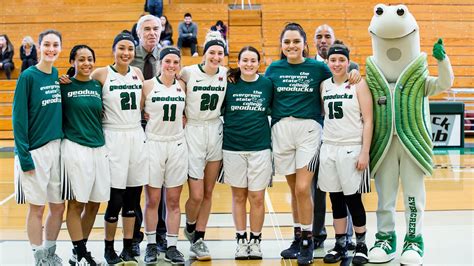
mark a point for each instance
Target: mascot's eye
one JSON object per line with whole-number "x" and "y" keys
{"x": 400, "y": 12}
{"x": 379, "y": 11}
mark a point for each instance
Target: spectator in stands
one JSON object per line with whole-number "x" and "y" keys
{"x": 147, "y": 60}
{"x": 155, "y": 7}
{"x": 134, "y": 31}
{"x": 324, "y": 37}
{"x": 166, "y": 36}
{"x": 28, "y": 53}
{"x": 187, "y": 35}
{"x": 222, "y": 28}
{"x": 6, "y": 55}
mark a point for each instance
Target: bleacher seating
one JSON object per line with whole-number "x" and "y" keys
{"x": 96, "y": 23}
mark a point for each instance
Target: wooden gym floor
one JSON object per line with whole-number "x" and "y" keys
{"x": 448, "y": 223}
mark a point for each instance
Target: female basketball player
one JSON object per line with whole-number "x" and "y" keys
{"x": 205, "y": 91}
{"x": 125, "y": 142}
{"x": 37, "y": 129}
{"x": 164, "y": 98}
{"x": 246, "y": 148}
{"x": 345, "y": 151}
{"x": 84, "y": 163}
{"x": 296, "y": 130}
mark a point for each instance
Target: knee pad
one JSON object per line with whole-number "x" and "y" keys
{"x": 354, "y": 203}
{"x": 114, "y": 205}
{"x": 339, "y": 209}
{"x": 132, "y": 196}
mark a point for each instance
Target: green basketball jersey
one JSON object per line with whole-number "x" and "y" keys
{"x": 37, "y": 117}
{"x": 82, "y": 112}
{"x": 296, "y": 89}
{"x": 246, "y": 109}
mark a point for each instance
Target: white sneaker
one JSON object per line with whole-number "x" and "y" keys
{"x": 88, "y": 260}
{"x": 242, "y": 251}
{"x": 200, "y": 251}
{"x": 53, "y": 258}
{"x": 255, "y": 252}
{"x": 41, "y": 257}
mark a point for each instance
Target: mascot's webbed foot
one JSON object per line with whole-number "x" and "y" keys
{"x": 384, "y": 248}
{"x": 413, "y": 249}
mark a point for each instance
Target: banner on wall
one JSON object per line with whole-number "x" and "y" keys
{"x": 446, "y": 130}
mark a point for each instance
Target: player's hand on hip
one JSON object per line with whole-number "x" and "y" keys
{"x": 363, "y": 161}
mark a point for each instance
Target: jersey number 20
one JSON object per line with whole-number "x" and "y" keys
{"x": 209, "y": 101}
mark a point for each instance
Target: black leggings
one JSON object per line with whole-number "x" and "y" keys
{"x": 122, "y": 199}
{"x": 354, "y": 204}
{"x": 8, "y": 68}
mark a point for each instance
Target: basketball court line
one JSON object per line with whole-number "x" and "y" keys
{"x": 7, "y": 199}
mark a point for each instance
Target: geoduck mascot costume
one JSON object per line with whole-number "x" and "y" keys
{"x": 401, "y": 149}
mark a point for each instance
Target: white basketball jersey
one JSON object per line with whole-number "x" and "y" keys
{"x": 121, "y": 97}
{"x": 165, "y": 105}
{"x": 342, "y": 115}
{"x": 205, "y": 93}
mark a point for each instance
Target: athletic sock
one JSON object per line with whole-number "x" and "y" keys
{"x": 49, "y": 243}
{"x": 306, "y": 231}
{"x": 127, "y": 243}
{"x": 172, "y": 240}
{"x": 151, "y": 237}
{"x": 341, "y": 239}
{"x": 109, "y": 243}
{"x": 360, "y": 237}
{"x": 80, "y": 248}
{"x": 190, "y": 226}
{"x": 198, "y": 235}
{"x": 35, "y": 247}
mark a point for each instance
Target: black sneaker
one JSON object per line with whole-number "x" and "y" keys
{"x": 293, "y": 251}
{"x": 136, "y": 244}
{"x": 174, "y": 256}
{"x": 305, "y": 256}
{"x": 336, "y": 254}
{"x": 151, "y": 254}
{"x": 127, "y": 256}
{"x": 87, "y": 260}
{"x": 161, "y": 242}
{"x": 318, "y": 243}
{"x": 360, "y": 255}
{"x": 111, "y": 257}
{"x": 73, "y": 259}
{"x": 350, "y": 245}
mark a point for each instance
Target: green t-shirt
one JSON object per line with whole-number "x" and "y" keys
{"x": 296, "y": 89}
{"x": 246, "y": 109}
{"x": 82, "y": 112}
{"x": 37, "y": 114}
